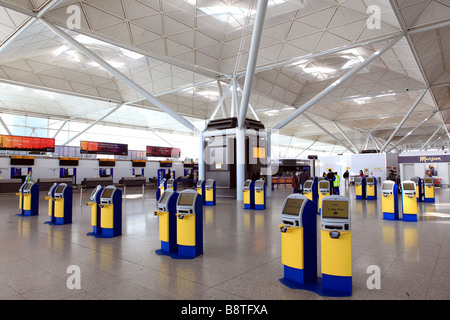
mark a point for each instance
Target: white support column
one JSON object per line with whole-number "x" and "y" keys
{"x": 410, "y": 111}
{"x": 269, "y": 163}
{"x": 223, "y": 105}
{"x": 346, "y": 137}
{"x": 251, "y": 64}
{"x": 336, "y": 84}
{"x": 118, "y": 74}
{"x": 5, "y": 126}
{"x": 431, "y": 138}
{"x": 201, "y": 157}
{"x": 240, "y": 163}
{"x": 60, "y": 128}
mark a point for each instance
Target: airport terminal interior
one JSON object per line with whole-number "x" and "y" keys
{"x": 224, "y": 150}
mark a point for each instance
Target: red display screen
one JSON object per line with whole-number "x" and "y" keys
{"x": 163, "y": 152}
{"x": 26, "y": 143}
{"x": 91, "y": 147}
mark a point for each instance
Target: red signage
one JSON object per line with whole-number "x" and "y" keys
{"x": 27, "y": 143}
{"x": 163, "y": 152}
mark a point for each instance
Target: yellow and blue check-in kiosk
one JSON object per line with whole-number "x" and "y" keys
{"x": 324, "y": 191}
{"x": 299, "y": 240}
{"x": 161, "y": 188}
{"x": 419, "y": 188}
{"x": 360, "y": 188}
{"x": 260, "y": 194}
{"x": 428, "y": 189}
{"x": 336, "y": 246}
{"x": 189, "y": 224}
{"x": 172, "y": 184}
{"x": 310, "y": 190}
{"x": 30, "y": 199}
{"x": 94, "y": 203}
{"x": 62, "y": 196}
{"x": 210, "y": 192}
{"x": 20, "y": 195}
{"x": 51, "y": 198}
{"x": 389, "y": 200}
{"x": 109, "y": 219}
{"x": 371, "y": 188}
{"x": 201, "y": 189}
{"x": 249, "y": 194}
{"x": 409, "y": 201}
{"x": 167, "y": 210}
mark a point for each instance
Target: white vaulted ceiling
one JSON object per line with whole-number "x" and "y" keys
{"x": 177, "y": 50}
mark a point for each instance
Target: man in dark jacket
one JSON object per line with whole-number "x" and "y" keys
{"x": 304, "y": 176}
{"x": 295, "y": 183}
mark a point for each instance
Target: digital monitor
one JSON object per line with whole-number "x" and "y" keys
{"x": 28, "y": 187}
{"x": 387, "y": 185}
{"x": 428, "y": 180}
{"x": 60, "y": 188}
{"x": 259, "y": 184}
{"x": 107, "y": 193}
{"x": 308, "y": 184}
{"x": 209, "y": 183}
{"x": 335, "y": 210}
{"x": 247, "y": 183}
{"x": 324, "y": 185}
{"x": 170, "y": 181}
{"x": 94, "y": 192}
{"x": 409, "y": 186}
{"x": 199, "y": 183}
{"x": 186, "y": 199}
{"x": 369, "y": 180}
{"x": 293, "y": 206}
{"x": 164, "y": 198}
{"x": 358, "y": 180}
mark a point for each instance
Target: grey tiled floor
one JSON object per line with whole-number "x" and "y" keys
{"x": 241, "y": 260}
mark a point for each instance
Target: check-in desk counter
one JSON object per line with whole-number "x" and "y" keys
{"x": 10, "y": 185}
{"x": 46, "y": 184}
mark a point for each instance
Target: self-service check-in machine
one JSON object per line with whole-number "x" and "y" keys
{"x": 167, "y": 209}
{"x": 299, "y": 239}
{"x": 172, "y": 184}
{"x": 428, "y": 189}
{"x": 260, "y": 194}
{"x": 409, "y": 201}
{"x": 324, "y": 191}
{"x": 189, "y": 224}
{"x": 389, "y": 200}
{"x": 310, "y": 190}
{"x": 94, "y": 203}
{"x": 201, "y": 189}
{"x": 51, "y": 198}
{"x": 249, "y": 194}
{"x": 161, "y": 188}
{"x": 336, "y": 245}
{"x": 419, "y": 188}
{"x": 210, "y": 192}
{"x": 371, "y": 188}
{"x": 109, "y": 220}
{"x": 20, "y": 195}
{"x": 360, "y": 188}
{"x": 62, "y": 196}
{"x": 30, "y": 199}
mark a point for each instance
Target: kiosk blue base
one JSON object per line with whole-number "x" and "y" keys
{"x": 390, "y": 216}
{"x": 410, "y": 217}
{"x": 315, "y": 287}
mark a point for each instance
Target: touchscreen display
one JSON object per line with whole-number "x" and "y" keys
{"x": 335, "y": 210}
{"x": 186, "y": 199}
{"x": 292, "y": 206}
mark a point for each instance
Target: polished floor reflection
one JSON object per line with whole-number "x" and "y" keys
{"x": 241, "y": 260}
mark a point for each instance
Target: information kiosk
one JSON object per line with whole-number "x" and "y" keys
{"x": 94, "y": 203}
{"x": 62, "y": 209}
{"x": 110, "y": 221}
{"x": 324, "y": 191}
{"x": 360, "y": 188}
{"x": 201, "y": 189}
{"x": 371, "y": 188}
{"x": 299, "y": 239}
{"x": 172, "y": 184}
{"x": 419, "y": 188}
{"x": 260, "y": 194}
{"x": 409, "y": 201}
{"x": 161, "y": 188}
{"x": 310, "y": 190}
{"x": 51, "y": 198}
{"x": 389, "y": 201}
{"x": 428, "y": 188}
{"x": 167, "y": 210}
{"x": 189, "y": 224}
{"x": 30, "y": 204}
{"x": 210, "y": 192}
{"x": 336, "y": 245}
{"x": 249, "y": 194}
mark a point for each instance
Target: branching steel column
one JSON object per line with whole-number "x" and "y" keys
{"x": 119, "y": 75}
{"x": 410, "y": 111}
{"x": 345, "y": 136}
{"x": 431, "y": 138}
{"x": 5, "y": 126}
{"x": 251, "y": 64}
{"x": 335, "y": 84}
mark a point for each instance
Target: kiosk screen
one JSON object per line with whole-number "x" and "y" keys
{"x": 247, "y": 183}
{"x": 387, "y": 185}
{"x": 107, "y": 193}
{"x": 186, "y": 199}
{"x": 95, "y": 192}
{"x": 369, "y": 180}
{"x": 324, "y": 185}
{"x": 164, "y": 197}
{"x": 416, "y": 180}
{"x": 28, "y": 187}
{"x": 170, "y": 182}
{"x": 358, "y": 180}
{"x": 409, "y": 186}
{"x": 335, "y": 210}
{"x": 292, "y": 206}
{"x": 259, "y": 184}
{"x": 60, "y": 189}
{"x": 199, "y": 183}
{"x": 428, "y": 180}
{"x": 209, "y": 183}
{"x": 308, "y": 184}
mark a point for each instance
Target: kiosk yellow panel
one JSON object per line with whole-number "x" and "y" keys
{"x": 259, "y": 197}
{"x": 59, "y": 208}
{"x": 358, "y": 190}
{"x": 50, "y": 205}
{"x": 199, "y": 191}
{"x": 209, "y": 195}
{"x": 20, "y": 200}
{"x": 107, "y": 216}
{"x": 429, "y": 192}
{"x": 370, "y": 191}
{"x": 93, "y": 206}
{"x": 186, "y": 230}
{"x": 336, "y": 254}
{"x": 246, "y": 196}
{"x": 27, "y": 202}
{"x": 409, "y": 205}
{"x": 388, "y": 203}
{"x": 292, "y": 248}
{"x": 309, "y": 195}
{"x": 163, "y": 226}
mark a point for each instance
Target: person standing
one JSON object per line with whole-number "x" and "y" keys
{"x": 29, "y": 177}
{"x": 361, "y": 174}
{"x": 330, "y": 177}
{"x": 304, "y": 176}
{"x": 295, "y": 182}
{"x": 346, "y": 177}
{"x": 336, "y": 183}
